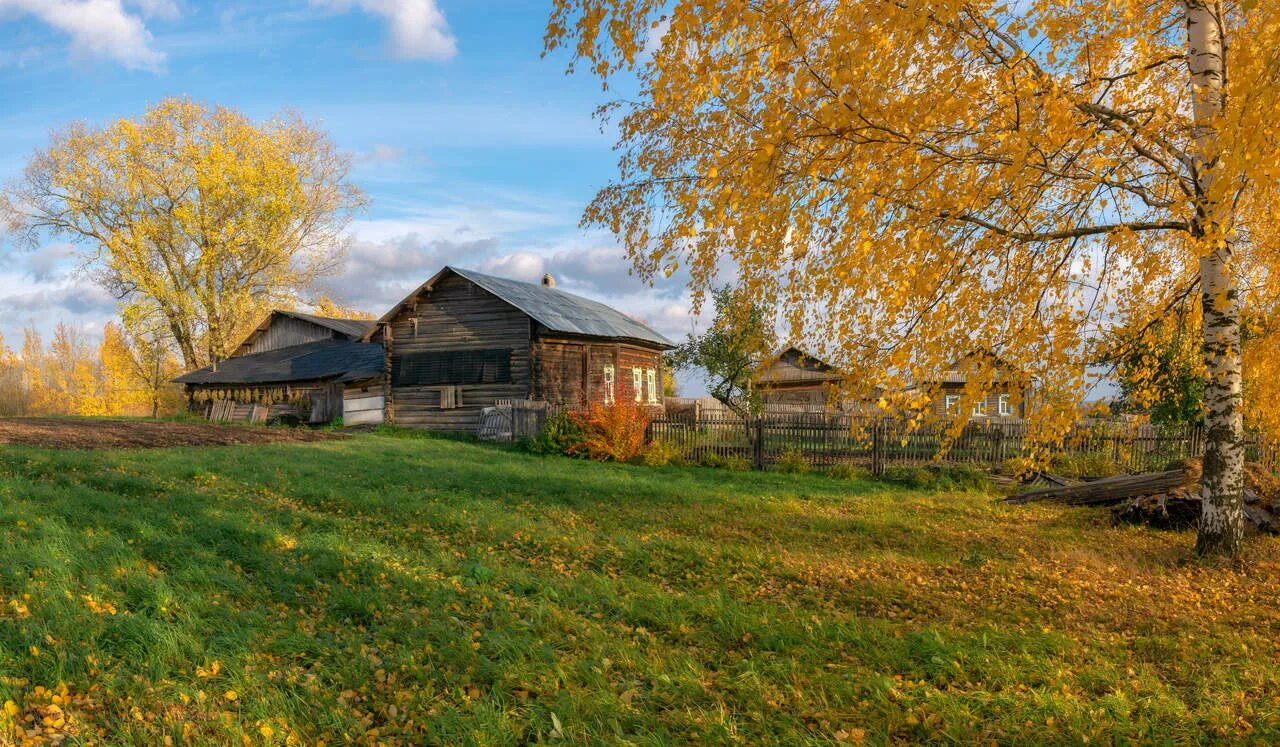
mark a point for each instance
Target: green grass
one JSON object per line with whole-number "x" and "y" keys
{"x": 391, "y": 589}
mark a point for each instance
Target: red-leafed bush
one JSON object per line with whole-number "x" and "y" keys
{"x": 613, "y": 432}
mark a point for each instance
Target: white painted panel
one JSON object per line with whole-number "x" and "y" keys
{"x": 363, "y": 417}
{"x": 357, "y": 404}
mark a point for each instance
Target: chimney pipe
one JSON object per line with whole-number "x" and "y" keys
{"x": 548, "y": 280}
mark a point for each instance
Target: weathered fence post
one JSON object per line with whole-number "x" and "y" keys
{"x": 997, "y": 446}
{"x": 757, "y": 444}
{"x": 877, "y": 450}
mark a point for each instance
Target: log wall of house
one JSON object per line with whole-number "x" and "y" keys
{"x": 455, "y": 315}
{"x": 568, "y": 371}
{"x": 285, "y": 332}
{"x": 992, "y": 402}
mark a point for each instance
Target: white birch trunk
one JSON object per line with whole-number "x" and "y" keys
{"x": 1222, "y": 515}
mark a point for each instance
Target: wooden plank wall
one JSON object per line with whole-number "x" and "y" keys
{"x": 567, "y": 371}
{"x": 285, "y": 332}
{"x": 457, "y": 315}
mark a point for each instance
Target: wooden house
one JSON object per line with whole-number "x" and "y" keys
{"x": 796, "y": 379}
{"x": 464, "y": 341}
{"x": 1006, "y": 399}
{"x": 296, "y": 365}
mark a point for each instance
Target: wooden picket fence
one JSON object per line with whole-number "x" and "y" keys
{"x": 827, "y": 440}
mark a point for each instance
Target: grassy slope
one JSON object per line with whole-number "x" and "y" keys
{"x": 440, "y": 591}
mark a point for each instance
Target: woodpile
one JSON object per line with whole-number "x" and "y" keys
{"x": 1107, "y": 490}
{"x": 1166, "y": 500}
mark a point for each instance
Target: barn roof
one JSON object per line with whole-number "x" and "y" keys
{"x": 554, "y": 309}
{"x": 351, "y": 329}
{"x": 345, "y": 360}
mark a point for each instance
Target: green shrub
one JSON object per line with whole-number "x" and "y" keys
{"x": 732, "y": 462}
{"x": 561, "y": 434}
{"x": 938, "y": 477}
{"x": 1090, "y": 464}
{"x": 792, "y": 462}
{"x": 848, "y": 472}
{"x": 663, "y": 453}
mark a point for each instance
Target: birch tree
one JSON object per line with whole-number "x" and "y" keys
{"x": 197, "y": 212}
{"x": 909, "y": 180}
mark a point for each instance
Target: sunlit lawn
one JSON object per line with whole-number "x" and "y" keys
{"x": 415, "y": 590}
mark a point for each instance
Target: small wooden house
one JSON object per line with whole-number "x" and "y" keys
{"x": 796, "y": 379}
{"x": 464, "y": 341}
{"x": 296, "y": 365}
{"x": 1006, "y": 399}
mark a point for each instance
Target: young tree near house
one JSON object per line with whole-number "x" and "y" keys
{"x": 1161, "y": 370}
{"x": 138, "y": 365}
{"x": 910, "y": 178}
{"x": 730, "y": 351}
{"x": 209, "y": 217}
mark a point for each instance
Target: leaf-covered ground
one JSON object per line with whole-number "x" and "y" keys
{"x": 389, "y": 589}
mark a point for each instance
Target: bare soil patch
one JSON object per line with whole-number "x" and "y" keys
{"x": 87, "y": 433}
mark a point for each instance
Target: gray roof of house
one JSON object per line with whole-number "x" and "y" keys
{"x": 564, "y": 312}
{"x": 344, "y": 360}
{"x": 352, "y": 328}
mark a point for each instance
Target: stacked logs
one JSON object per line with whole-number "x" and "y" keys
{"x": 1167, "y": 500}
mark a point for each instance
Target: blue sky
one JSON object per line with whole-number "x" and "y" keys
{"x": 473, "y": 149}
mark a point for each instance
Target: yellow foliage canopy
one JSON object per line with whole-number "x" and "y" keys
{"x": 908, "y": 181}
{"x": 203, "y": 217}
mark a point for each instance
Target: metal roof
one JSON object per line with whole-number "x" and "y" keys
{"x": 564, "y": 312}
{"x": 324, "y": 359}
{"x": 554, "y": 309}
{"x": 351, "y": 328}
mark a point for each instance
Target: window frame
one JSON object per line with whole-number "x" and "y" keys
{"x": 1004, "y": 406}
{"x": 610, "y": 378}
{"x": 637, "y": 383}
{"x": 951, "y": 403}
{"x": 651, "y": 381}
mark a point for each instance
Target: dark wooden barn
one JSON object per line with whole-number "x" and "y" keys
{"x": 294, "y": 365}
{"x": 465, "y": 341}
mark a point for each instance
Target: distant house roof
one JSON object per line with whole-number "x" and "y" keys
{"x": 342, "y": 360}
{"x": 792, "y": 365}
{"x": 351, "y": 329}
{"x": 554, "y": 309}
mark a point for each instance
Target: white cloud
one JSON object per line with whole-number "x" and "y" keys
{"x": 381, "y": 154}
{"x": 418, "y": 27}
{"x": 100, "y": 28}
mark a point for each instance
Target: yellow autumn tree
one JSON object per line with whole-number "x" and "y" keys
{"x": 326, "y": 306}
{"x": 138, "y": 368}
{"x": 13, "y": 394}
{"x": 908, "y": 181}
{"x": 65, "y": 378}
{"x": 206, "y": 216}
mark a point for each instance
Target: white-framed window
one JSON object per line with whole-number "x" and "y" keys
{"x": 637, "y": 383}
{"x": 1005, "y": 407}
{"x": 608, "y": 384}
{"x": 952, "y": 403}
{"x": 651, "y": 380}
{"x": 980, "y": 408}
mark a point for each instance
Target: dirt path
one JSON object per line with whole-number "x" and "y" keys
{"x": 88, "y": 433}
